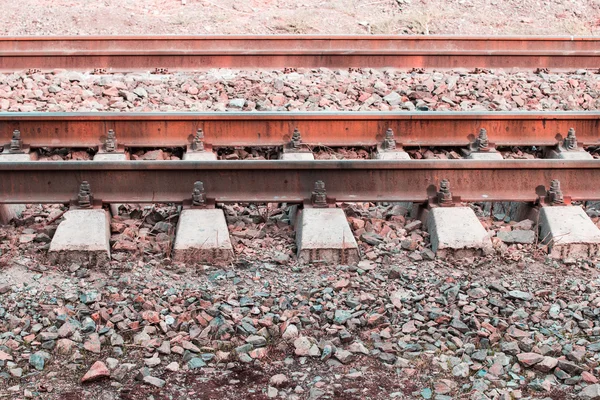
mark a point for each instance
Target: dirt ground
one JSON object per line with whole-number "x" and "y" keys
{"x": 426, "y": 17}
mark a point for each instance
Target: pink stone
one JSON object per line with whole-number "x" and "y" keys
{"x": 409, "y": 327}
{"x": 111, "y": 92}
{"x": 529, "y": 359}
{"x": 93, "y": 343}
{"x": 589, "y": 378}
{"x": 342, "y": 283}
{"x": 5, "y": 356}
{"x": 64, "y": 346}
{"x": 151, "y": 316}
{"x": 97, "y": 371}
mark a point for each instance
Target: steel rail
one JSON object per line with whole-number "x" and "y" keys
{"x": 316, "y": 128}
{"x": 130, "y": 53}
{"x": 293, "y": 181}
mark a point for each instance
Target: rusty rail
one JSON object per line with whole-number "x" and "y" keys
{"x": 320, "y": 128}
{"x": 293, "y": 181}
{"x": 130, "y": 53}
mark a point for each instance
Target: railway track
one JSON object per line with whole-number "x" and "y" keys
{"x": 317, "y": 128}
{"x": 185, "y": 53}
{"x": 293, "y": 181}
{"x": 564, "y": 174}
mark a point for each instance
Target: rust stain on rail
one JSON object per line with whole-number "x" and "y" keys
{"x": 279, "y": 181}
{"x": 275, "y": 129}
{"x": 123, "y": 53}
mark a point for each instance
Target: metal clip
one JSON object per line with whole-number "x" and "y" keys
{"x": 318, "y": 196}
{"x": 482, "y": 143}
{"x": 110, "y": 144}
{"x": 84, "y": 197}
{"x": 570, "y": 142}
{"x": 198, "y": 194}
{"x": 555, "y": 194}
{"x": 389, "y": 141}
{"x": 198, "y": 141}
{"x": 444, "y": 195}
{"x": 296, "y": 142}
{"x": 16, "y": 144}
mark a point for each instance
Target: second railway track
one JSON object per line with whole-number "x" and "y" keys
{"x": 185, "y": 53}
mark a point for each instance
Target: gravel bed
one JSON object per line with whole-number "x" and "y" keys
{"x": 508, "y": 325}
{"x": 303, "y": 90}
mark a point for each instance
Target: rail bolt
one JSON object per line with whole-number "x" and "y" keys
{"x": 84, "y": 197}
{"x": 444, "y": 194}
{"x": 110, "y": 145}
{"x": 482, "y": 141}
{"x": 296, "y": 141}
{"x": 570, "y": 142}
{"x": 198, "y": 194}
{"x": 389, "y": 142}
{"x": 555, "y": 194}
{"x": 16, "y": 144}
{"x": 319, "y": 195}
{"x": 198, "y": 141}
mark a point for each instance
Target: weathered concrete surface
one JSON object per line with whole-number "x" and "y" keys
{"x": 570, "y": 155}
{"x": 199, "y": 156}
{"x": 392, "y": 155}
{"x": 203, "y": 237}
{"x": 8, "y": 212}
{"x": 456, "y": 231}
{"x": 7, "y": 157}
{"x": 303, "y": 156}
{"x": 110, "y": 157}
{"x": 491, "y": 155}
{"x": 569, "y": 232}
{"x": 82, "y": 237}
{"x": 323, "y": 235}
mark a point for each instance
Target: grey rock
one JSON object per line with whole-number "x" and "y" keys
{"x": 344, "y": 356}
{"x": 195, "y": 363}
{"x": 74, "y": 76}
{"x": 237, "y": 103}
{"x": 302, "y": 345}
{"x": 461, "y": 370}
{"x": 517, "y": 236}
{"x": 154, "y": 381}
{"x": 459, "y": 325}
{"x": 591, "y": 392}
{"x": 140, "y": 91}
{"x": 547, "y": 364}
{"x": 518, "y": 294}
{"x": 393, "y": 98}
{"x": 569, "y": 367}
{"x": 37, "y": 361}
{"x": 256, "y": 340}
{"x": 341, "y": 316}
{"x": 89, "y": 297}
